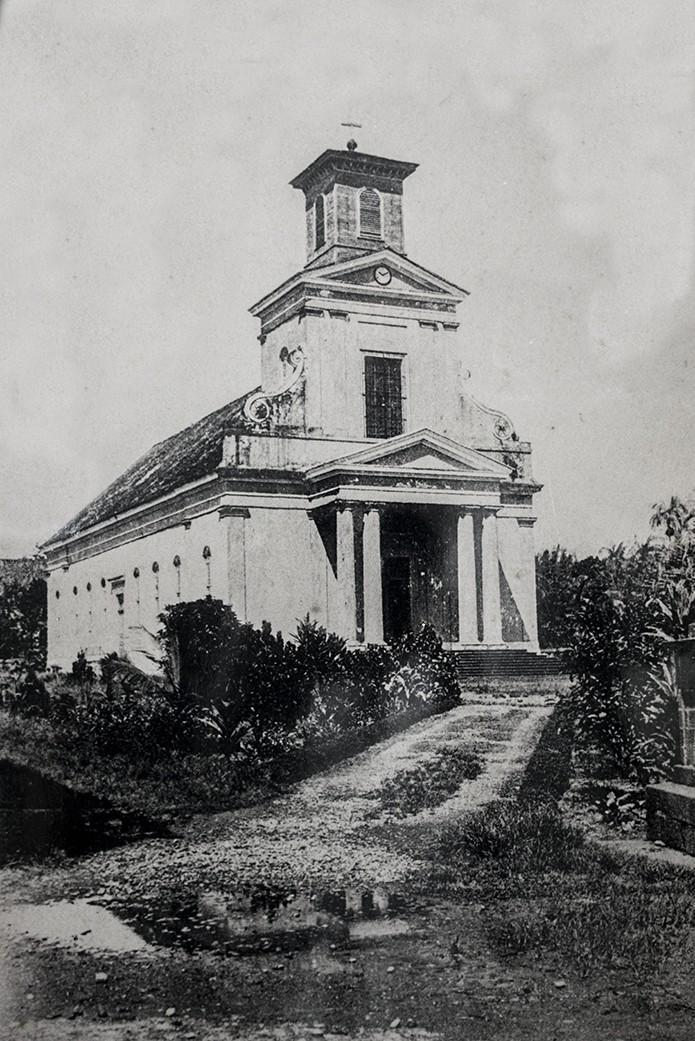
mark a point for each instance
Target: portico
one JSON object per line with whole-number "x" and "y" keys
{"x": 417, "y": 541}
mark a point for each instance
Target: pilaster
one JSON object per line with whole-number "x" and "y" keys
{"x": 371, "y": 562}
{"x": 346, "y": 606}
{"x": 467, "y": 594}
{"x": 492, "y": 614}
{"x": 235, "y": 519}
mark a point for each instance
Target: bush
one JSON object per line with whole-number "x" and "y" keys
{"x": 356, "y": 688}
{"x": 227, "y": 688}
{"x": 557, "y": 573}
{"x": 31, "y": 698}
{"x": 425, "y": 671}
{"x": 82, "y": 671}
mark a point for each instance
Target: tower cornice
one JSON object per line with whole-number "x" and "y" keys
{"x": 350, "y": 168}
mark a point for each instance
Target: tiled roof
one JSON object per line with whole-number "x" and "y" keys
{"x": 187, "y": 456}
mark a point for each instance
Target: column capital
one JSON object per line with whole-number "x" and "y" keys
{"x": 233, "y": 511}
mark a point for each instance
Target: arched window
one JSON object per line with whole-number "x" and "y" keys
{"x": 370, "y": 213}
{"x": 206, "y": 557}
{"x": 155, "y": 570}
{"x": 320, "y": 218}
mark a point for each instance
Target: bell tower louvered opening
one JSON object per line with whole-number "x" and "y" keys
{"x": 320, "y": 222}
{"x": 370, "y": 214}
{"x": 354, "y": 205}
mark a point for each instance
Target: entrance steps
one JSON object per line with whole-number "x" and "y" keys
{"x": 505, "y": 662}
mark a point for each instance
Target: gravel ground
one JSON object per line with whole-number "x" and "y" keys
{"x": 327, "y": 831}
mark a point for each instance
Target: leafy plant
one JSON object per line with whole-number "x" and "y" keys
{"x": 81, "y": 671}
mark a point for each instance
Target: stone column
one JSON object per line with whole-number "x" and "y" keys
{"x": 345, "y": 560}
{"x": 467, "y": 592}
{"x": 235, "y": 519}
{"x": 528, "y": 570}
{"x": 371, "y": 558}
{"x": 492, "y": 615}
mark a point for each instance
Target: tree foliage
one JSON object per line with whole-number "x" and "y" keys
{"x": 621, "y": 713}
{"x": 23, "y": 620}
{"x": 616, "y": 613}
{"x": 556, "y": 587}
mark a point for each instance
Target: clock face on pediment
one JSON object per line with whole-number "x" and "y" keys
{"x": 391, "y": 271}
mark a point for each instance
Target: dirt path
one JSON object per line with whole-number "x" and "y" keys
{"x": 326, "y": 833}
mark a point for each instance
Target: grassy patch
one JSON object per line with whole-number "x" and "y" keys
{"x": 151, "y": 786}
{"x": 430, "y": 784}
{"x": 623, "y": 920}
{"x": 547, "y": 890}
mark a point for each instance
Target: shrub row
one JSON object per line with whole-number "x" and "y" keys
{"x": 226, "y": 687}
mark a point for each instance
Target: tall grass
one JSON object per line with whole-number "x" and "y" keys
{"x": 549, "y": 891}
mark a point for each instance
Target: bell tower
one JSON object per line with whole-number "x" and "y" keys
{"x": 360, "y": 344}
{"x": 353, "y": 205}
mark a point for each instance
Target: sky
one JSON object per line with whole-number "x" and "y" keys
{"x": 145, "y": 152}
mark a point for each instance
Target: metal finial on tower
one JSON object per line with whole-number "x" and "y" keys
{"x": 352, "y": 144}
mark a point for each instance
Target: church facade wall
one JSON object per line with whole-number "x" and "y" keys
{"x": 335, "y": 344}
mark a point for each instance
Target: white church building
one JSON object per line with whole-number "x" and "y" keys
{"x": 360, "y": 484}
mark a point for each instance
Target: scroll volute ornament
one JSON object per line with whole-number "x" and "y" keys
{"x": 258, "y": 408}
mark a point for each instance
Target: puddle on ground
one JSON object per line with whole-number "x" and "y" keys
{"x": 256, "y": 921}
{"x": 72, "y": 923}
{"x": 266, "y": 919}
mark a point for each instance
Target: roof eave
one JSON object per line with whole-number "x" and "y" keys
{"x": 396, "y": 167}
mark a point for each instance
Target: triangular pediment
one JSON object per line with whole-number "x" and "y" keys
{"x": 422, "y": 451}
{"x": 396, "y": 272}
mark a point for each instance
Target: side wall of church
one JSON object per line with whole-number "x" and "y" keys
{"x": 289, "y": 574}
{"x": 517, "y": 560}
{"x": 85, "y": 611}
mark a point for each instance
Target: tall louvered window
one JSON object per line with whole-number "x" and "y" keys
{"x": 383, "y": 392}
{"x": 370, "y": 213}
{"x": 320, "y": 217}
